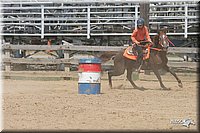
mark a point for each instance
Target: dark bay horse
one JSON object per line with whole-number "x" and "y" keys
{"x": 157, "y": 60}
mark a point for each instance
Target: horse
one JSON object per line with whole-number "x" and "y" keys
{"x": 157, "y": 60}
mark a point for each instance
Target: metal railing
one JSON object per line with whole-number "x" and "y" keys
{"x": 64, "y": 19}
{"x": 181, "y": 19}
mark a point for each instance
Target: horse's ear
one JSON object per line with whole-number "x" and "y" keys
{"x": 155, "y": 38}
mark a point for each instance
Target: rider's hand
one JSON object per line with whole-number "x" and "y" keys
{"x": 151, "y": 42}
{"x": 138, "y": 43}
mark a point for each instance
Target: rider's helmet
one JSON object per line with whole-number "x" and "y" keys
{"x": 140, "y": 21}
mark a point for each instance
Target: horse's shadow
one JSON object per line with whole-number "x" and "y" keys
{"x": 122, "y": 87}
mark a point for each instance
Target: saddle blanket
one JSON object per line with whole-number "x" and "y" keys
{"x": 133, "y": 55}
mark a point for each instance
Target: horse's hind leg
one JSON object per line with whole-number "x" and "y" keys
{"x": 159, "y": 78}
{"x": 115, "y": 72}
{"x": 129, "y": 72}
{"x": 119, "y": 67}
{"x": 174, "y": 74}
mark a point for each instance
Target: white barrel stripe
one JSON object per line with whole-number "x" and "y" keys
{"x": 89, "y": 77}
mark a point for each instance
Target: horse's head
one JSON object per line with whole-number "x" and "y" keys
{"x": 161, "y": 41}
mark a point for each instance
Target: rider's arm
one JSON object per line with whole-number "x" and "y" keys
{"x": 133, "y": 37}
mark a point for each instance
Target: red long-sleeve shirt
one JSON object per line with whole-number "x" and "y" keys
{"x": 140, "y": 34}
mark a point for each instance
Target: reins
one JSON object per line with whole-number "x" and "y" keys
{"x": 170, "y": 41}
{"x": 157, "y": 49}
{"x": 160, "y": 49}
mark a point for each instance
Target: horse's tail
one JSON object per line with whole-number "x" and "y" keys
{"x": 106, "y": 56}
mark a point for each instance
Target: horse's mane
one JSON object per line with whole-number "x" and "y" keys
{"x": 156, "y": 40}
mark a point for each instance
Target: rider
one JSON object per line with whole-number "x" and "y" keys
{"x": 140, "y": 33}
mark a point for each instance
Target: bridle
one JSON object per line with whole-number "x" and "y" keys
{"x": 163, "y": 39}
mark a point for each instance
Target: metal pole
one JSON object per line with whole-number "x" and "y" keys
{"x": 88, "y": 22}
{"x": 42, "y": 21}
{"x": 136, "y": 15}
{"x": 66, "y": 56}
{"x": 7, "y": 56}
{"x": 186, "y": 20}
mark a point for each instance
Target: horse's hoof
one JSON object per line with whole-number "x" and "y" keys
{"x": 165, "y": 88}
{"x": 111, "y": 87}
{"x": 140, "y": 88}
{"x": 180, "y": 85}
{"x": 136, "y": 87}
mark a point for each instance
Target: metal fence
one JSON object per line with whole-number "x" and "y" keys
{"x": 94, "y": 19}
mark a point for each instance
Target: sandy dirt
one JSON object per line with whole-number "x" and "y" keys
{"x": 29, "y": 104}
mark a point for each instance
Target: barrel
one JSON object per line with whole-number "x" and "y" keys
{"x": 89, "y": 76}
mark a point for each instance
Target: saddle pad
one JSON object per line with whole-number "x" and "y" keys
{"x": 134, "y": 57}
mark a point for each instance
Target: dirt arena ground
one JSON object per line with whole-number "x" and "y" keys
{"x": 30, "y": 104}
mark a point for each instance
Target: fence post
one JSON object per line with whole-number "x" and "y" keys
{"x": 7, "y": 56}
{"x": 136, "y": 15}
{"x": 88, "y": 22}
{"x": 66, "y": 56}
{"x": 186, "y": 20}
{"x": 144, "y": 12}
{"x": 42, "y": 21}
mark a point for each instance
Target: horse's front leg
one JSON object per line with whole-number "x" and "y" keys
{"x": 174, "y": 74}
{"x": 159, "y": 78}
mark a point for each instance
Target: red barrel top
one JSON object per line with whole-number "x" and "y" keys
{"x": 89, "y": 67}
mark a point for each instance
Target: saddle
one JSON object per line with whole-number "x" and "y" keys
{"x": 130, "y": 54}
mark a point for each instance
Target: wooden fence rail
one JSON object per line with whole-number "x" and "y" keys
{"x": 88, "y": 48}
{"x": 8, "y": 60}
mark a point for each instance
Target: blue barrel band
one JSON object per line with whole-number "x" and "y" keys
{"x": 88, "y": 88}
{"x": 90, "y": 60}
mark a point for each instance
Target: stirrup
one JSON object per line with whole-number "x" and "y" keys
{"x": 130, "y": 52}
{"x": 139, "y": 68}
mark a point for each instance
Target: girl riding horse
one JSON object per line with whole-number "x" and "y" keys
{"x": 157, "y": 60}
